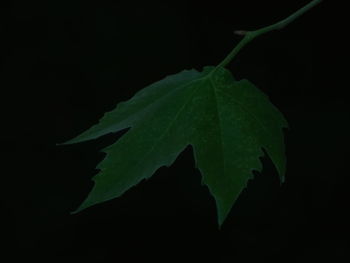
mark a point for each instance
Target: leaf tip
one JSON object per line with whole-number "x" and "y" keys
{"x": 220, "y": 223}
{"x": 71, "y": 141}
{"x": 282, "y": 179}
{"x": 86, "y": 204}
{"x": 222, "y": 212}
{"x": 78, "y": 210}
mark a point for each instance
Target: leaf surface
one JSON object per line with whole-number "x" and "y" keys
{"x": 227, "y": 122}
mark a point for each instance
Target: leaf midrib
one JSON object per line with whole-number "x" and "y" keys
{"x": 160, "y": 99}
{"x": 161, "y": 137}
{"x": 219, "y": 124}
{"x": 247, "y": 111}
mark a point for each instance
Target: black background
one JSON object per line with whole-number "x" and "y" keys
{"x": 66, "y": 63}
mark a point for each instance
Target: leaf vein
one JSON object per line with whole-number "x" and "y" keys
{"x": 219, "y": 125}
{"x": 247, "y": 111}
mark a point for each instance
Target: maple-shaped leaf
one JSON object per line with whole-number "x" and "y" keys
{"x": 227, "y": 122}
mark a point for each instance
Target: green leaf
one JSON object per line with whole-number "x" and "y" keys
{"x": 227, "y": 122}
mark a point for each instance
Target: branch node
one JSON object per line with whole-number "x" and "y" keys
{"x": 241, "y": 32}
